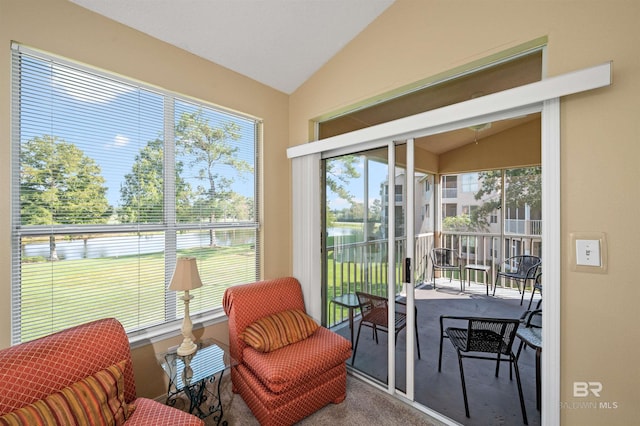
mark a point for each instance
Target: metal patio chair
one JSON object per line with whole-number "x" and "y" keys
{"x": 374, "y": 311}
{"x": 537, "y": 285}
{"x": 446, "y": 260}
{"x": 483, "y": 338}
{"x": 521, "y": 268}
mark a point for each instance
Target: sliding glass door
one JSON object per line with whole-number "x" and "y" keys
{"x": 355, "y": 253}
{"x": 367, "y": 216}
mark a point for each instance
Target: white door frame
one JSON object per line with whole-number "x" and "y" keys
{"x": 542, "y": 96}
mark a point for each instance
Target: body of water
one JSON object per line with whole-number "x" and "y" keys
{"x": 93, "y": 248}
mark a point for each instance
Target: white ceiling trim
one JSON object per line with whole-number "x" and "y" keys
{"x": 513, "y": 102}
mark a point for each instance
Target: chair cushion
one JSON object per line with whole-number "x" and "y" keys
{"x": 97, "y": 400}
{"x": 150, "y": 412}
{"x": 278, "y": 330}
{"x": 297, "y": 363}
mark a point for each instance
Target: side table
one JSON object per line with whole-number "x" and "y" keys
{"x": 349, "y": 301}
{"x": 192, "y": 373}
{"x": 481, "y": 268}
{"x": 532, "y": 337}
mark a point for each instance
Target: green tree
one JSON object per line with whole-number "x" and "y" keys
{"x": 142, "y": 193}
{"x": 60, "y": 185}
{"x": 523, "y": 187}
{"x": 236, "y": 207}
{"x": 462, "y": 223}
{"x": 208, "y": 149}
{"x": 375, "y": 211}
{"x": 330, "y": 218}
{"x": 338, "y": 174}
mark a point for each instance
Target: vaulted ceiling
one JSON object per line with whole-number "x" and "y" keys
{"x": 280, "y": 43}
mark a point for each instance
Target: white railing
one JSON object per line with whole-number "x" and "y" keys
{"x": 523, "y": 226}
{"x": 491, "y": 249}
{"x": 363, "y": 266}
{"x": 449, "y": 192}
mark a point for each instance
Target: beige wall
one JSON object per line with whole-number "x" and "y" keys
{"x": 65, "y": 29}
{"x": 516, "y": 147}
{"x": 413, "y": 40}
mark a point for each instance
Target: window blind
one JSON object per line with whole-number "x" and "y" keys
{"x": 112, "y": 181}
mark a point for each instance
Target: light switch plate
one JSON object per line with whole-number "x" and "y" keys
{"x": 588, "y": 252}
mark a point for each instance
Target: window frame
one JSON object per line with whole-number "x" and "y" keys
{"x": 169, "y": 226}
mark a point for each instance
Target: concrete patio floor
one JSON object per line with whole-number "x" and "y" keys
{"x": 492, "y": 401}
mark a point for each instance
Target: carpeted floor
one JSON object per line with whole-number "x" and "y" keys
{"x": 364, "y": 405}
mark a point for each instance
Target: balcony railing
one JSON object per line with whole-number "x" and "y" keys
{"x": 449, "y": 192}
{"x": 523, "y": 226}
{"x": 363, "y": 266}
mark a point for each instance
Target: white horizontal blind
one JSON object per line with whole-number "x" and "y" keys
{"x": 112, "y": 181}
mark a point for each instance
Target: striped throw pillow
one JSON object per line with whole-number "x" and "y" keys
{"x": 278, "y": 330}
{"x": 96, "y": 400}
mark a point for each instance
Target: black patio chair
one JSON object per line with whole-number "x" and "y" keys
{"x": 374, "y": 311}
{"x": 483, "y": 338}
{"x": 520, "y": 268}
{"x": 537, "y": 285}
{"x": 446, "y": 260}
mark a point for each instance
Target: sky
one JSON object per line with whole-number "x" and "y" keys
{"x": 110, "y": 121}
{"x": 356, "y": 186}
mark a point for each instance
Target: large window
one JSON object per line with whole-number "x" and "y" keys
{"x": 112, "y": 181}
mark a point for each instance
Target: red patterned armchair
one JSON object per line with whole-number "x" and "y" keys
{"x": 288, "y": 366}
{"x": 82, "y": 375}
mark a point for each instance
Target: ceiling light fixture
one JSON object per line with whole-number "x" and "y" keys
{"x": 479, "y": 127}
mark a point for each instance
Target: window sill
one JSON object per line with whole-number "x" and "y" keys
{"x": 159, "y": 333}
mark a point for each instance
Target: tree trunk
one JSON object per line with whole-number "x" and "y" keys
{"x": 53, "y": 255}
{"x": 212, "y": 233}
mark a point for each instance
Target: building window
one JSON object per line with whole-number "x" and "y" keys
{"x": 449, "y": 210}
{"x": 470, "y": 182}
{"x": 114, "y": 180}
{"x": 469, "y": 209}
{"x": 399, "y": 189}
{"x": 428, "y": 185}
{"x": 450, "y": 186}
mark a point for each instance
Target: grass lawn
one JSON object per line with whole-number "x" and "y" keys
{"x": 57, "y": 295}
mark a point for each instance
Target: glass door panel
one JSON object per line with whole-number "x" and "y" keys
{"x": 365, "y": 220}
{"x": 355, "y": 252}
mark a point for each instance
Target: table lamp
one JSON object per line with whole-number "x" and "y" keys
{"x": 185, "y": 278}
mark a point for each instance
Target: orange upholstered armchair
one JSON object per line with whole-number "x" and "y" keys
{"x": 288, "y": 366}
{"x": 83, "y": 373}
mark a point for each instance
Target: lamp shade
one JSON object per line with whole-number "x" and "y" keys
{"x": 185, "y": 276}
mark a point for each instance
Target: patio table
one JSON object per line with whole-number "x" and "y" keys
{"x": 478, "y": 267}
{"x": 532, "y": 337}
{"x": 349, "y": 301}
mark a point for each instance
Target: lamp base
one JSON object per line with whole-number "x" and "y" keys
{"x": 187, "y": 348}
